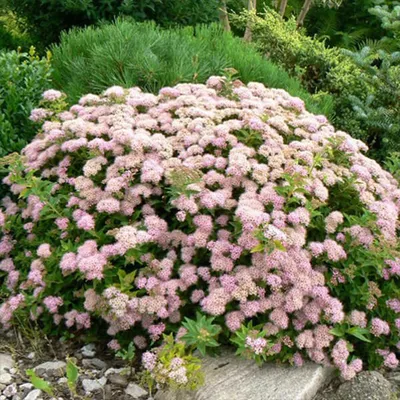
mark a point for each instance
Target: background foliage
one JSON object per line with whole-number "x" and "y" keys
{"x": 364, "y": 84}
{"x": 23, "y": 78}
{"x": 47, "y": 18}
{"x": 141, "y": 54}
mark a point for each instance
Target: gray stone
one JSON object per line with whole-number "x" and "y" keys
{"x": 94, "y": 363}
{"x": 26, "y": 386}
{"x": 10, "y": 390}
{"x": 135, "y": 391}
{"x": 16, "y": 397}
{"x": 51, "y": 368}
{"x": 62, "y": 380}
{"x": 92, "y": 385}
{"x": 2, "y": 387}
{"x": 6, "y": 363}
{"x": 5, "y": 378}
{"x": 31, "y": 356}
{"x": 118, "y": 379}
{"x": 89, "y": 350}
{"x": 113, "y": 371}
{"x": 229, "y": 377}
{"x": 33, "y": 395}
{"x": 368, "y": 385}
{"x": 117, "y": 376}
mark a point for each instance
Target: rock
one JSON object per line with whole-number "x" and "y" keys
{"x": 117, "y": 376}
{"x": 368, "y": 385}
{"x": 394, "y": 378}
{"x": 118, "y": 379}
{"x": 17, "y": 397}
{"x": 33, "y": 395}
{"x": 31, "y": 356}
{"x": 94, "y": 363}
{"x": 229, "y": 377}
{"x": 62, "y": 380}
{"x": 89, "y": 350}
{"x": 113, "y": 371}
{"x": 5, "y": 378}
{"x": 92, "y": 385}
{"x": 26, "y": 386}
{"x": 6, "y": 363}
{"x": 10, "y": 390}
{"x": 51, "y": 368}
{"x": 135, "y": 391}
{"x": 2, "y": 387}
{"x": 108, "y": 392}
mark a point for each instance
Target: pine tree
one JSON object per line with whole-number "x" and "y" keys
{"x": 380, "y": 63}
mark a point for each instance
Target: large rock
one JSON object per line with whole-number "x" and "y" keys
{"x": 6, "y": 364}
{"x": 232, "y": 378}
{"x": 51, "y": 368}
{"x": 366, "y": 386}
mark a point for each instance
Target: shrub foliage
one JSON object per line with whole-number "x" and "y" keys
{"x": 47, "y": 18}
{"x": 140, "y": 54}
{"x": 132, "y": 210}
{"x": 23, "y": 78}
{"x": 364, "y": 86}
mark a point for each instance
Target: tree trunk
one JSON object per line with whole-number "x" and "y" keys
{"x": 282, "y": 8}
{"x": 304, "y": 11}
{"x": 223, "y": 16}
{"x": 252, "y": 5}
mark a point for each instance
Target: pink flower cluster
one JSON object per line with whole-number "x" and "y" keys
{"x": 178, "y": 186}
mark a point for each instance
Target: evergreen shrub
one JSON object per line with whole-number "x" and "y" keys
{"x": 141, "y": 54}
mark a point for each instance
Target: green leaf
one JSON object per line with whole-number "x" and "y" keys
{"x": 278, "y": 244}
{"x": 39, "y": 383}
{"x": 338, "y": 331}
{"x": 359, "y": 333}
{"x": 72, "y": 373}
{"x": 257, "y": 249}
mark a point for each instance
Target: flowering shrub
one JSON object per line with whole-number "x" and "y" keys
{"x": 131, "y": 211}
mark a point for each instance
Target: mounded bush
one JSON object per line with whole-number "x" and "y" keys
{"x": 131, "y": 211}
{"x": 131, "y": 54}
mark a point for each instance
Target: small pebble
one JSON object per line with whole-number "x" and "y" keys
{"x": 94, "y": 363}
{"x": 89, "y": 350}
{"x": 135, "y": 391}
{"x": 10, "y": 390}
{"x": 26, "y": 386}
{"x": 92, "y": 385}
{"x": 33, "y": 395}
